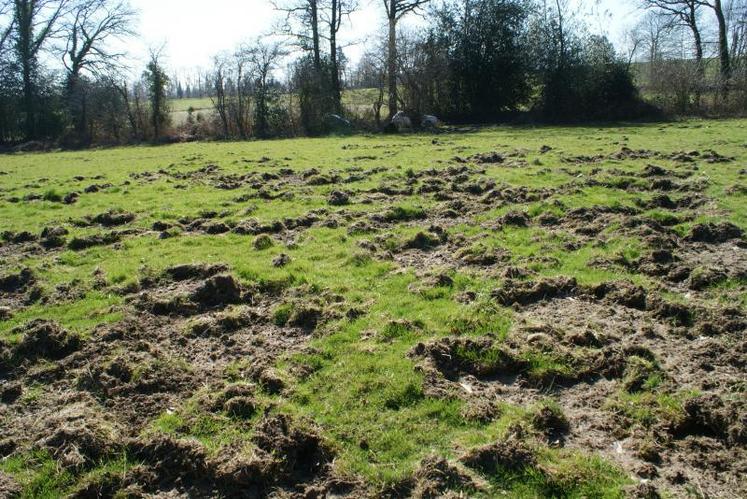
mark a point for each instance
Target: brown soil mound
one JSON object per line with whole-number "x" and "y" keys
{"x": 47, "y": 340}
{"x": 510, "y": 454}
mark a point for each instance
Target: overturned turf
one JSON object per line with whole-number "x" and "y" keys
{"x": 491, "y": 312}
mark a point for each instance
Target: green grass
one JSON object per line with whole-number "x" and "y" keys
{"x": 363, "y": 387}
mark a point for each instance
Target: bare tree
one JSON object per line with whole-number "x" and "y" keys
{"x": 263, "y": 60}
{"x": 395, "y": 11}
{"x": 302, "y": 24}
{"x": 232, "y": 99}
{"x": 652, "y": 33}
{"x": 333, "y": 13}
{"x": 737, "y": 21}
{"x": 723, "y": 37}
{"x": 134, "y": 107}
{"x": 685, "y": 13}
{"x": 34, "y": 23}
{"x": 92, "y": 24}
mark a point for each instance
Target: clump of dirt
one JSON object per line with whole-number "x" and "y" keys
{"x": 79, "y": 243}
{"x": 718, "y": 232}
{"x": 514, "y": 219}
{"x": 654, "y": 171}
{"x": 172, "y": 460}
{"x": 190, "y": 293}
{"x": 223, "y": 323}
{"x": 222, "y": 289}
{"x": 436, "y": 476}
{"x": 551, "y": 422}
{"x": 46, "y": 340}
{"x": 488, "y": 158}
{"x": 643, "y": 490}
{"x": 53, "y": 237}
{"x": 481, "y": 255}
{"x": 527, "y": 292}
{"x": 18, "y": 237}
{"x": 6, "y": 313}
{"x": 709, "y": 415}
{"x": 16, "y": 283}
{"x": 704, "y": 277}
{"x": 638, "y": 370}
{"x": 305, "y": 317}
{"x": 339, "y": 198}
{"x": 281, "y": 260}
{"x": 96, "y": 188}
{"x": 481, "y": 357}
{"x": 6, "y": 357}
{"x": 77, "y": 436}
{"x": 263, "y": 242}
{"x": 422, "y": 241}
{"x": 269, "y": 379}
{"x": 622, "y": 293}
{"x": 9, "y": 487}
{"x": 113, "y": 218}
{"x": 215, "y": 227}
{"x": 297, "y": 455}
{"x": 511, "y": 454}
{"x": 194, "y": 271}
{"x": 480, "y": 410}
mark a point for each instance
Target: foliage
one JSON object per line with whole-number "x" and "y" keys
{"x": 474, "y": 60}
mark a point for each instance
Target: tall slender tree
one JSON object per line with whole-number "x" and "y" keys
{"x": 334, "y": 11}
{"x": 723, "y": 37}
{"x": 302, "y": 23}
{"x": 395, "y": 11}
{"x": 685, "y": 13}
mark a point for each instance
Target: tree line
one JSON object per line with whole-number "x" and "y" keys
{"x": 695, "y": 53}
{"x": 63, "y": 81}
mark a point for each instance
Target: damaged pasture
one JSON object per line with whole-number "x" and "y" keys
{"x": 501, "y": 311}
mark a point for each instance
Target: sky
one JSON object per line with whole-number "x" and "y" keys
{"x": 192, "y": 32}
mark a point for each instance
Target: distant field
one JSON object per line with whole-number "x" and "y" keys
{"x": 358, "y": 101}
{"x": 494, "y": 312}
{"x": 180, "y": 108}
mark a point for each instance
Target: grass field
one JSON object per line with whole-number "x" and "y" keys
{"x": 506, "y": 311}
{"x": 357, "y": 102}
{"x": 180, "y": 108}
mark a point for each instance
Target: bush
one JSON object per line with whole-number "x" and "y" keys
{"x": 594, "y": 85}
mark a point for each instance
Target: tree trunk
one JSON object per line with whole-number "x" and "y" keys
{"x": 723, "y": 43}
{"x": 334, "y": 69}
{"x": 25, "y": 30}
{"x": 561, "y": 35}
{"x": 392, "y": 64}
{"x": 315, "y": 35}
{"x": 130, "y": 115}
{"x": 76, "y": 99}
{"x": 28, "y": 100}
